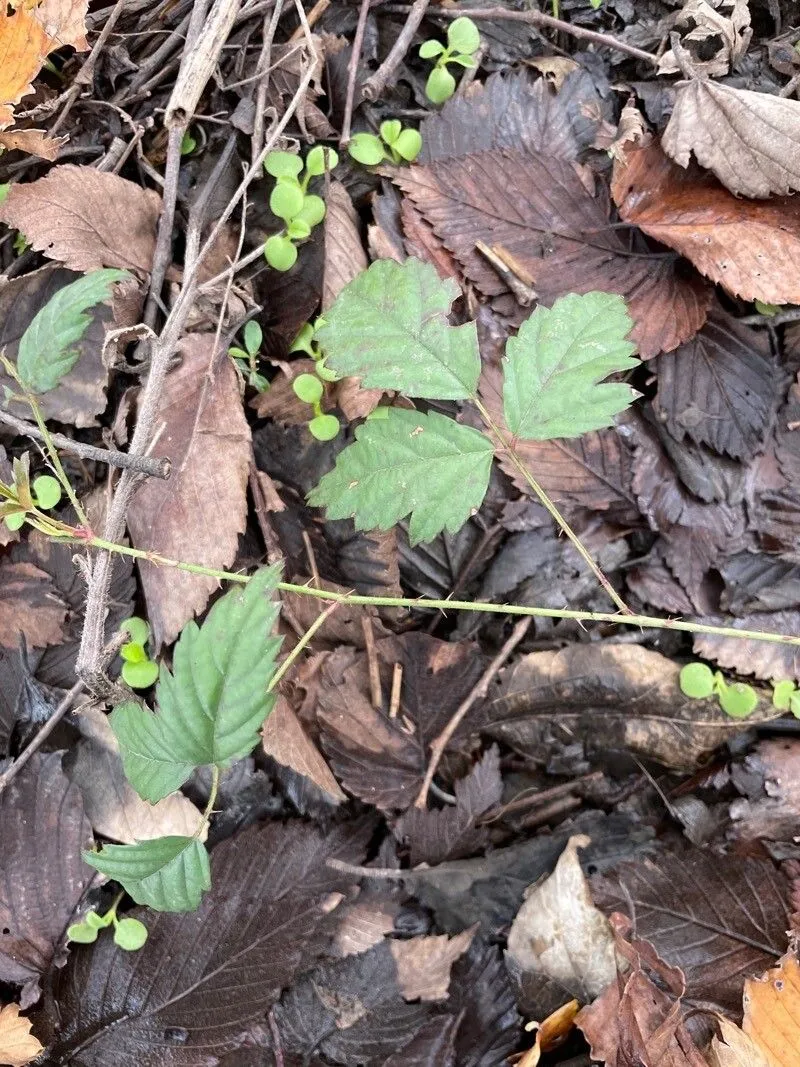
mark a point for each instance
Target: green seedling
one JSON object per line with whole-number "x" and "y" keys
{"x": 463, "y": 41}
{"x": 291, "y": 202}
{"x": 129, "y": 934}
{"x": 188, "y": 143}
{"x": 138, "y": 670}
{"x": 246, "y": 359}
{"x": 23, "y": 501}
{"x": 737, "y": 699}
{"x": 396, "y": 143}
{"x": 310, "y": 387}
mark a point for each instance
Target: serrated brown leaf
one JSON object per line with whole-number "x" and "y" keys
{"x": 42, "y": 876}
{"x": 767, "y": 660}
{"x": 423, "y": 963}
{"x": 632, "y": 691}
{"x": 29, "y": 606}
{"x": 720, "y": 388}
{"x": 538, "y": 208}
{"x": 741, "y": 244}
{"x": 203, "y": 979}
{"x": 18, "y": 1046}
{"x": 719, "y": 918}
{"x": 757, "y": 581}
{"x": 380, "y": 759}
{"x": 86, "y": 218}
{"x": 286, "y": 741}
{"x": 751, "y": 141}
{"x": 199, "y": 512}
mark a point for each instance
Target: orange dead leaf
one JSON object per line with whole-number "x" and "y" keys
{"x": 18, "y": 1046}
{"x": 772, "y": 1012}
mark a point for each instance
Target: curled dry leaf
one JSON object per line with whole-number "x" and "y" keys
{"x": 423, "y": 963}
{"x": 733, "y": 1048}
{"x": 201, "y": 509}
{"x": 559, "y": 932}
{"x": 18, "y": 1046}
{"x": 286, "y": 741}
{"x": 721, "y": 23}
{"x": 86, "y": 218}
{"x": 751, "y": 141}
{"x": 743, "y": 245}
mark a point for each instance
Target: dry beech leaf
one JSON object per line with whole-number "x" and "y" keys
{"x": 112, "y": 806}
{"x": 86, "y": 218}
{"x": 725, "y": 23}
{"x": 423, "y": 963}
{"x": 364, "y": 923}
{"x": 751, "y": 141}
{"x": 29, "y": 606}
{"x": 743, "y": 245}
{"x": 772, "y": 1012}
{"x": 199, "y": 512}
{"x": 733, "y": 1048}
{"x": 34, "y": 142}
{"x": 18, "y": 1046}
{"x": 559, "y": 932}
{"x": 286, "y": 741}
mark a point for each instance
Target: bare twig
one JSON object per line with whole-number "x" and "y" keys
{"x": 478, "y": 693}
{"x": 199, "y": 60}
{"x": 376, "y": 694}
{"x": 36, "y": 743}
{"x": 262, "y": 74}
{"x": 352, "y": 73}
{"x": 314, "y": 15}
{"x": 153, "y": 468}
{"x": 397, "y": 683}
{"x": 376, "y": 83}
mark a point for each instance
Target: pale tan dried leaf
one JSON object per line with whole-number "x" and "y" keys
{"x": 199, "y": 512}
{"x": 18, "y": 1046}
{"x": 423, "y": 963}
{"x": 285, "y": 740}
{"x": 344, "y": 253}
{"x": 711, "y": 21}
{"x": 559, "y": 932}
{"x": 363, "y": 924}
{"x": 29, "y": 606}
{"x": 742, "y": 244}
{"x": 65, "y": 21}
{"x": 631, "y": 129}
{"x": 772, "y": 1012}
{"x": 733, "y": 1048}
{"x": 86, "y": 218}
{"x": 114, "y": 809}
{"x": 34, "y": 142}
{"x": 554, "y": 68}
{"x": 751, "y": 141}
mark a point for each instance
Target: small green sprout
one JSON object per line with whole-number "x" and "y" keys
{"x": 138, "y": 670}
{"x": 463, "y": 41}
{"x": 246, "y": 359}
{"x": 736, "y": 699}
{"x": 291, "y": 202}
{"x": 310, "y": 388}
{"x": 396, "y": 143}
{"x": 22, "y": 501}
{"x": 188, "y": 143}
{"x": 129, "y": 934}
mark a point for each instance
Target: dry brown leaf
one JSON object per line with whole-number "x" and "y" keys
{"x": 770, "y": 809}
{"x": 423, "y": 963}
{"x": 344, "y": 252}
{"x": 559, "y": 932}
{"x": 199, "y": 512}
{"x": 772, "y": 1012}
{"x": 725, "y": 23}
{"x": 65, "y": 21}
{"x": 751, "y": 141}
{"x": 364, "y": 923}
{"x": 733, "y": 1048}
{"x": 24, "y": 44}
{"x": 34, "y": 142}
{"x": 29, "y": 606}
{"x": 285, "y": 740}
{"x": 744, "y": 245}
{"x": 18, "y": 1046}
{"x": 86, "y": 218}
{"x": 112, "y": 806}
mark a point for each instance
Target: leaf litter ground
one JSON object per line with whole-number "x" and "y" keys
{"x": 592, "y": 837}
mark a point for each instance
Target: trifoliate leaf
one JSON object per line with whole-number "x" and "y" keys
{"x": 389, "y": 327}
{"x": 167, "y": 873}
{"x": 554, "y": 364}
{"x": 215, "y": 699}
{"x": 696, "y": 681}
{"x": 427, "y": 466}
{"x": 46, "y": 350}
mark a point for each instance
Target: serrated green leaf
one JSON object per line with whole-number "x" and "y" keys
{"x": 427, "y": 466}
{"x": 46, "y": 349}
{"x": 212, "y": 703}
{"x": 389, "y": 327}
{"x": 554, "y": 364}
{"x": 167, "y": 873}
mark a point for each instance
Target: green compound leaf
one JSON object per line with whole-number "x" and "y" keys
{"x": 167, "y": 873}
{"x": 46, "y": 350}
{"x": 408, "y": 463}
{"x": 738, "y": 700}
{"x": 389, "y": 327}
{"x": 554, "y": 364}
{"x": 215, "y": 699}
{"x": 696, "y": 681}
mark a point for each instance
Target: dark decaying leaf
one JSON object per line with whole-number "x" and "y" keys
{"x": 719, "y": 918}
{"x": 775, "y": 509}
{"x": 377, "y": 758}
{"x": 540, "y": 211}
{"x": 720, "y": 388}
{"x": 756, "y": 581}
{"x": 12, "y": 679}
{"x": 42, "y": 876}
{"x": 481, "y": 989}
{"x": 204, "y": 978}
{"x": 431, "y": 1046}
{"x": 344, "y": 252}
{"x": 198, "y": 513}
{"x": 770, "y": 780}
{"x": 632, "y": 691}
{"x": 451, "y": 832}
{"x": 767, "y": 660}
{"x": 29, "y": 605}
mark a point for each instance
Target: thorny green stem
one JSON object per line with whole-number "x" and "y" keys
{"x": 646, "y": 622}
{"x": 551, "y": 508}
